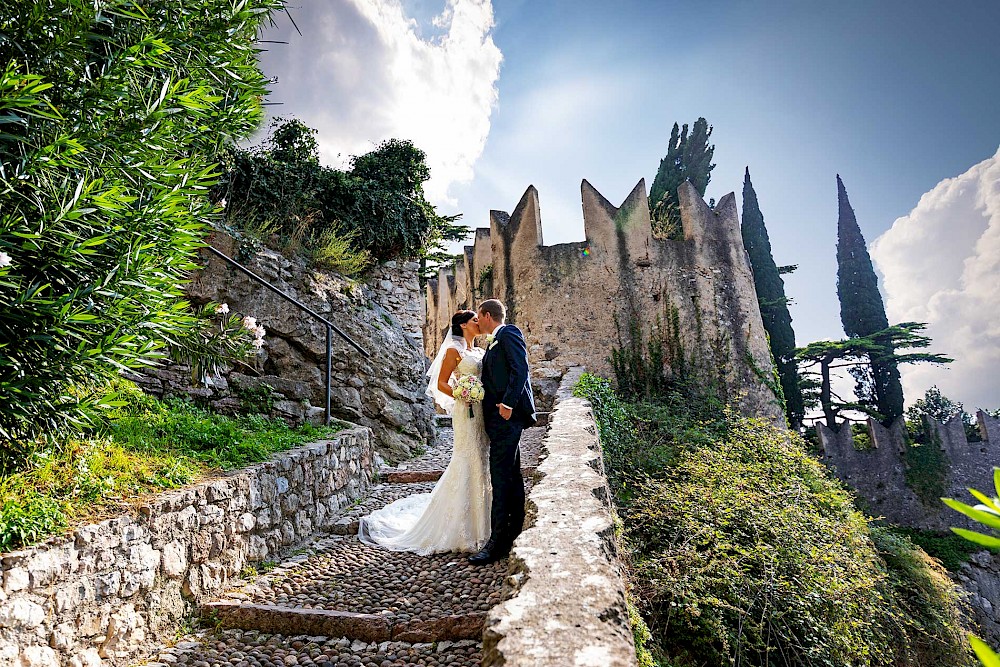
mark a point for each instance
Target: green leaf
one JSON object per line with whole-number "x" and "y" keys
{"x": 985, "y": 654}
{"x": 985, "y": 518}
{"x": 983, "y": 540}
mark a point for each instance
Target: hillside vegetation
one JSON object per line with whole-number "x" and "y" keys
{"x": 741, "y": 548}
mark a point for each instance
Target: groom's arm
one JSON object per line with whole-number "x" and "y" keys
{"x": 515, "y": 353}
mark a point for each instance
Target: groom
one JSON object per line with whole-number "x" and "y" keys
{"x": 508, "y": 408}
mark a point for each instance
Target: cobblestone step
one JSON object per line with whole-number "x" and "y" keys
{"x": 343, "y": 574}
{"x": 240, "y": 648}
{"x": 339, "y": 602}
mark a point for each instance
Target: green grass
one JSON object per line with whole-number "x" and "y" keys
{"x": 140, "y": 447}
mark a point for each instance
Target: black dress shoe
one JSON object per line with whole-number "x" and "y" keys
{"x": 488, "y": 554}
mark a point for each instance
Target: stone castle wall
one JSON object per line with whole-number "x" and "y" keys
{"x": 576, "y": 301}
{"x": 110, "y": 591}
{"x": 878, "y": 474}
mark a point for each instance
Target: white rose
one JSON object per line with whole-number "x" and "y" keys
{"x": 5, "y": 260}
{"x": 222, "y": 309}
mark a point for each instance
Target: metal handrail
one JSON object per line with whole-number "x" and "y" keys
{"x": 330, "y": 326}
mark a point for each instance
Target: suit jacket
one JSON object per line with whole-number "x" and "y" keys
{"x": 505, "y": 376}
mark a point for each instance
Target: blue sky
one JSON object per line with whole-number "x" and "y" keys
{"x": 894, "y": 96}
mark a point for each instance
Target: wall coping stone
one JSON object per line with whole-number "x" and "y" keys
{"x": 565, "y": 593}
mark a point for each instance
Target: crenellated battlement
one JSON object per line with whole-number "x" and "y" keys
{"x": 577, "y": 301}
{"x": 877, "y": 472}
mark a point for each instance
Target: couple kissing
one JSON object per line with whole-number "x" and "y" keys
{"x": 478, "y": 504}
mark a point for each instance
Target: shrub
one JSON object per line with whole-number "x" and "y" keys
{"x": 374, "y": 210}
{"x": 744, "y": 550}
{"x": 112, "y": 114}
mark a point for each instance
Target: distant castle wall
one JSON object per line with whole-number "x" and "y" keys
{"x": 878, "y": 474}
{"x": 577, "y": 301}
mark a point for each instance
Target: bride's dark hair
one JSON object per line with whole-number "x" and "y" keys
{"x": 460, "y": 318}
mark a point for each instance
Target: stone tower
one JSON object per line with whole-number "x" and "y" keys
{"x": 622, "y": 286}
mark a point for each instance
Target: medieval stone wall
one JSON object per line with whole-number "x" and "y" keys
{"x": 620, "y": 287}
{"x": 878, "y": 474}
{"x": 108, "y": 592}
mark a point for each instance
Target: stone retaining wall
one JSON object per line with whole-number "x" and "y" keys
{"x": 565, "y": 597}
{"x": 112, "y": 590}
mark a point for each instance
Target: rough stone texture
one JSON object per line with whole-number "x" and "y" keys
{"x": 566, "y": 602}
{"x": 346, "y": 575}
{"x": 382, "y": 312}
{"x": 981, "y": 578}
{"x": 238, "y": 647}
{"x": 574, "y": 301}
{"x": 111, "y": 590}
{"x": 878, "y": 475}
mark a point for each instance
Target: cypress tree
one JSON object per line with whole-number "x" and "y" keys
{"x": 773, "y": 303}
{"x": 862, "y": 311}
{"x": 688, "y": 158}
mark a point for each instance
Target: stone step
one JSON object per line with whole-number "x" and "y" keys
{"x": 231, "y": 647}
{"x": 428, "y": 467}
{"x": 344, "y": 574}
{"x": 444, "y": 421}
{"x": 277, "y": 619}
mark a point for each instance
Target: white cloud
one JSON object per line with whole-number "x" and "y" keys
{"x": 361, "y": 73}
{"x": 941, "y": 265}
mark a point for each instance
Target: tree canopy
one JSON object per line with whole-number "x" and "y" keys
{"x": 378, "y": 203}
{"x": 688, "y": 158}
{"x": 862, "y": 313}
{"x": 817, "y": 359}
{"x": 111, "y": 118}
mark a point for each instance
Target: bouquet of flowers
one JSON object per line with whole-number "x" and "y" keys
{"x": 469, "y": 389}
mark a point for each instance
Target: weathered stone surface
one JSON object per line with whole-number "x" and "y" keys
{"x": 111, "y": 589}
{"x": 878, "y": 474}
{"x": 381, "y": 311}
{"x": 289, "y": 621}
{"x": 575, "y": 301}
{"x": 567, "y": 602}
{"x": 450, "y": 628}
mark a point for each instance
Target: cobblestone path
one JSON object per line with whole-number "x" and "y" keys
{"x": 339, "y": 603}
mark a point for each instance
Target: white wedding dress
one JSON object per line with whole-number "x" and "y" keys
{"x": 455, "y": 516}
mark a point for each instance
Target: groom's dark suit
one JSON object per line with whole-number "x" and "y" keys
{"x": 505, "y": 380}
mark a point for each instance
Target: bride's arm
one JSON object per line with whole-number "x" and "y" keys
{"x": 448, "y": 364}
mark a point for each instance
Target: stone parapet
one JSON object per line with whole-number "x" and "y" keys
{"x": 111, "y": 591}
{"x": 565, "y": 596}
{"x": 878, "y": 472}
{"x": 687, "y": 303}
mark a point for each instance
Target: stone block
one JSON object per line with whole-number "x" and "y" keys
{"x": 20, "y": 614}
{"x": 89, "y": 657}
{"x": 38, "y": 656}
{"x": 217, "y": 491}
{"x": 15, "y": 579}
{"x": 174, "y": 559}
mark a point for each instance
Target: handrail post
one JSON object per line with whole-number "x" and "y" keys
{"x": 329, "y": 363}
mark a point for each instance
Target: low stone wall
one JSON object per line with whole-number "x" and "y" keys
{"x": 565, "y": 603}
{"x": 112, "y": 590}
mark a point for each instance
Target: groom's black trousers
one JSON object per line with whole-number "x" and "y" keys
{"x": 507, "y": 512}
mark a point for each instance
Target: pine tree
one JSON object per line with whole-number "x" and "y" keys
{"x": 773, "y": 303}
{"x": 689, "y": 157}
{"x": 862, "y": 311}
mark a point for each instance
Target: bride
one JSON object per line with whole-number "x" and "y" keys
{"x": 455, "y": 516}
